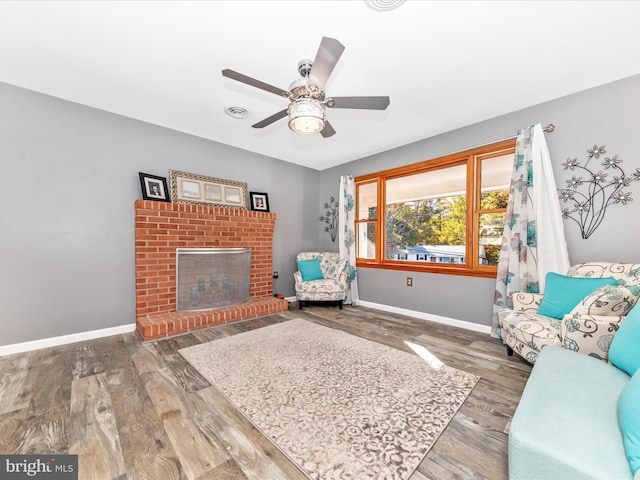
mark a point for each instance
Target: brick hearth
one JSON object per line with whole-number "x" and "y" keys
{"x": 161, "y": 227}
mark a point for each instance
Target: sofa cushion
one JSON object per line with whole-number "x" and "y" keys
{"x": 624, "y": 352}
{"x": 590, "y": 334}
{"x": 310, "y": 269}
{"x": 563, "y": 293}
{"x": 321, "y": 290}
{"x": 568, "y": 407}
{"x": 609, "y": 300}
{"x": 629, "y": 416}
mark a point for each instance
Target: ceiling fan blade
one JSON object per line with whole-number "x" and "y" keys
{"x": 328, "y": 130}
{"x": 367, "y": 103}
{"x": 254, "y": 83}
{"x": 269, "y": 120}
{"x": 328, "y": 55}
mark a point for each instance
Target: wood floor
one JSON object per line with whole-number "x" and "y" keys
{"x": 140, "y": 411}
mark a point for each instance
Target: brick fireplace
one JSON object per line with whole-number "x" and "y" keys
{"x": 161, "y": 228}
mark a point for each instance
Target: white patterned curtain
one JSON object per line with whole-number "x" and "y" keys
{"x": 346, "y": 235}
{"x": 533, "y": 241}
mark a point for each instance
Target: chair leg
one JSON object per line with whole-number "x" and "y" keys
{"x": 300, "y": 304}
{"x": 509, "y": 351}
{"x": 340, "y": 304}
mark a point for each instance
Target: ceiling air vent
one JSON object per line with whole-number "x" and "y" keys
{"x": 237, "y": 112}
{"x": 384, "y": 5}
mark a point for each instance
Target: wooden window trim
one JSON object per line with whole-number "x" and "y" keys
{"x": 472, "y": 158}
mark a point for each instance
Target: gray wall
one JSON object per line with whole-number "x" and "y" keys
{"x": 69, "y": 182}
{"x": 70, "y": 178}
{"x": 606, "y": 115}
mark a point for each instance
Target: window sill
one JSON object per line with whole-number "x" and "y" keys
{"x": 485, "y": 272}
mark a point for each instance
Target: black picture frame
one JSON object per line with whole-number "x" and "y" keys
{"x": 259, "y": 201}
{"x": 154, "y": 187}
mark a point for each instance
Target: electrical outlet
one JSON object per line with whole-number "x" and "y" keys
{"x": 409, "y": 281}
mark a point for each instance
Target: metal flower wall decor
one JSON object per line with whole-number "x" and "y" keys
{"x": 591, "y": 194}
{"x": 331, "y": 218}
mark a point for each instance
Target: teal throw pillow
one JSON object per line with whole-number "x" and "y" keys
{"x": 310, "y": 269}
{"x": 625, "y": 347}
{"x": 629, "y": 418}
{"x": 562, "y": 293}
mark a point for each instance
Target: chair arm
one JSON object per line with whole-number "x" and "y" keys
{"x": 589, "y": 334}
{"x": 338, "y": 273}
{"x": 526, "y": 302}
{"x": 297, "y": 276}
{"x": 342, "y": 278}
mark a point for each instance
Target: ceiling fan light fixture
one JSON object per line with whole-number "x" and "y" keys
{"x": 308, "y": 102}
{"x": 306, "y": 116}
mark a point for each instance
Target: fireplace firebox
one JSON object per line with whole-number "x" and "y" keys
{"x": 210, "y": 278}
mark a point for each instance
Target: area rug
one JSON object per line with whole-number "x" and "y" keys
{"x": 338, "y": 406}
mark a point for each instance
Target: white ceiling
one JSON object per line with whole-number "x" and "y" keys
{"x": 444, "y": 64}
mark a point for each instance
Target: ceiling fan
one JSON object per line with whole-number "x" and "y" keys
{"x": 308, "y": 105}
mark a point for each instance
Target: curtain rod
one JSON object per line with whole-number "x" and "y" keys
{"x": 548, "y": 129}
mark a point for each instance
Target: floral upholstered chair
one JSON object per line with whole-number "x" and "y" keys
{"x": 321, "y": 277}
{"x": 555, "y": 318}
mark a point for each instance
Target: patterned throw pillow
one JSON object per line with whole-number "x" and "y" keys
{"x": 590, "y": 335}
{"x": 563, "y": 293}
{"x": 609, "y": 301}
{"x": 633, "y": 278}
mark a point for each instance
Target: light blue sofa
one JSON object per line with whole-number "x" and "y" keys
{"x": 566, "y": 424}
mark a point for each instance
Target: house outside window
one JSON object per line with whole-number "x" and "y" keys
{"x": 442, "y": 215}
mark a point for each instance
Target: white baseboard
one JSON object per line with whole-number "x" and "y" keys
{"x": 422, "y": 316}
{"x": 65, "y": 339}
{"x": 105, "y": 332}
{"x": 427, "y": 316}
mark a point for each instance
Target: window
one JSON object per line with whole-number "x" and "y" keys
{"x": 442, "y": 215}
